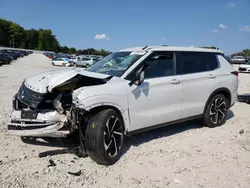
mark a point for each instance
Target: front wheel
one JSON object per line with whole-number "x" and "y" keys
{"x": 216, "y": 111}
{"x": 104, "y": 137}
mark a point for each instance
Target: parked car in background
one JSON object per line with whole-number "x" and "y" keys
{"x": 247, "y": 58}
{"x": 66, "y": 62}
{"x": 245, "y": 67}
{"x": 9, "y": 55}
{"x": 84, "y": 61}
{"x": 238, "y": 60}
{"x": 5, "y": 58}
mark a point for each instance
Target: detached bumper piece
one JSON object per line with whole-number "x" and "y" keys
{"x": 244, "y": 98}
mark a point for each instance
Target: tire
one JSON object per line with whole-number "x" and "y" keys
{"x": 103, "y": 143}
{"x": 216, "y": 111}
{"x": 64, "y": 65}
{"x": 87, "y": 65}
{"x": 53, "y": 64}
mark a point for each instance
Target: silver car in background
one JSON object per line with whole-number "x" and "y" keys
{"x": 85, "y": 61}
{"x": 238, "y": 60}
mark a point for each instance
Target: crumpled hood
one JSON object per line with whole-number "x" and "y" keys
{"x": 46, "y": 81}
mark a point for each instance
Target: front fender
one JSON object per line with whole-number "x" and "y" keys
{"x": 107, "y": 100}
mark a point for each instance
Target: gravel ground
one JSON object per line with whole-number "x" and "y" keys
{"x": 185, "y": 155}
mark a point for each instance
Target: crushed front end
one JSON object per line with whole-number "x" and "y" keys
{"x": 35, "y": 114}
{"x": 40, "y": 110}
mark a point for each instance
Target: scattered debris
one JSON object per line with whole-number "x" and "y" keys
{"x": 72, "y": 161}
{"x": 75, "y": 173}
{"x": 51, "y": 163}
{"x": 244, "y": 98}
{"x": 53, "y": 152}
{"x": 1, "y": 162}
{"x": 136, "y": 181}
{"x": 177, "y": 181}
{"x": 241, "y": 131}
{"x": 182, "y": 170}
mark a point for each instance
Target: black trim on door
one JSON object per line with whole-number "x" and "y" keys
{"x": 163, "y": 125}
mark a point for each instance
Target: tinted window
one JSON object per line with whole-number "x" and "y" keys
{"x": 160, "y": 64}
{"x": 85, "y": 59}
{"x": 211, "y": 61}
{"x": 194, "y": 62}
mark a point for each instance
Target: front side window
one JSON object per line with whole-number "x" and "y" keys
{"x": 116, "y": 64}
{"x": 160, "y": 64}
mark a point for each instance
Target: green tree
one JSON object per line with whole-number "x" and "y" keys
{"x": 17, "y": 35}
{"x": 72, "y": 50}
{"x": 32, "y": 38}
{"x": 4, "y": 32}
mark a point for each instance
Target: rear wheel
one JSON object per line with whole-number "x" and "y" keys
{"x": 87, "y": 65}
{"x": 53, "y": 63}
{"x": 104, "y": 137}
{"x": 216, "y": 111}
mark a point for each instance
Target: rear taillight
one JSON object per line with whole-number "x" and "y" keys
{"x": 236, "y": 73}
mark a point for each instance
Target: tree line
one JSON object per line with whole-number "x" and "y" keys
{"x": 15, "y": 36}
{"x": 245, "y": 53}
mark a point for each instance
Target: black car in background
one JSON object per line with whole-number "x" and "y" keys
{"x": 8, "y": 55}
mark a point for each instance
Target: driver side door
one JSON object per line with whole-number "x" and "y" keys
{"x": 157, "y": 100}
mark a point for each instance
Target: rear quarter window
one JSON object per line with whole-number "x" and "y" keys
{"x": 195, "y": 62}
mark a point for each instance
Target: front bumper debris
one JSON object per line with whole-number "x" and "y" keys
{"x": 47, "y": 124}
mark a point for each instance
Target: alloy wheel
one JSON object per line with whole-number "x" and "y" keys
{"x": 113, "y": 136}
{"x": 218, "y": 110}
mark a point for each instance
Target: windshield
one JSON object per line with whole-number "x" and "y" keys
{"x": 116, "y": 63}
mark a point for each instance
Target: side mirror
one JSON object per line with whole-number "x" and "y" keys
{"x": 139, "y": 78}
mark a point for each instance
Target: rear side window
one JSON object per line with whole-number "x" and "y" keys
{"x": 85, "y": 59}
{"x": 195, "y": 62}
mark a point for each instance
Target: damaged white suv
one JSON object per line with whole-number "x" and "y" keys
{"x": 127, "y": 92}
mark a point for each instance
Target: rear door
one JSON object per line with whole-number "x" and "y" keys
{"x": 199, "y": 76}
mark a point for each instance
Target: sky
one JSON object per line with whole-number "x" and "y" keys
{"x": 115, "y": 24}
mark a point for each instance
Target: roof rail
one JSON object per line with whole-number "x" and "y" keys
{"x": 144, "y": 47}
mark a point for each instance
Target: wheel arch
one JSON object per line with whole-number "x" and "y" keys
{"x": 123, "y": 113}
{"x": 225, "y": 91}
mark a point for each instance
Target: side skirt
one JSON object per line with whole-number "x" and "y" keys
{"x": 163, "y": 125}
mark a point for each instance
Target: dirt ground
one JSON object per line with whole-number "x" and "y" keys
{"x": 185, "y": 155}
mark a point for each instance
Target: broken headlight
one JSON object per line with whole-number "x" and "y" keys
{"x": 58, "y": 103}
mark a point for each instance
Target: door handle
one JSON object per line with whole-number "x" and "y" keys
{"x": 174, "y": 81}
{"x": 211, "y": 76}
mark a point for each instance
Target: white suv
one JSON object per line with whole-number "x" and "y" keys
{"x": 127, "y": 92}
